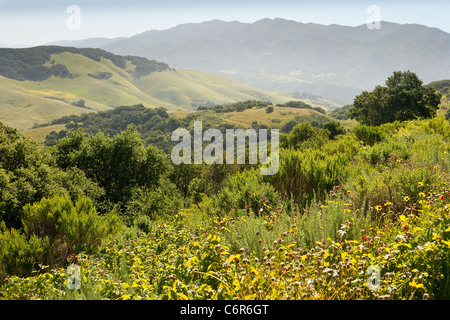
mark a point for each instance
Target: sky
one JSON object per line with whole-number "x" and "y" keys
{"x": 35, "y": 22}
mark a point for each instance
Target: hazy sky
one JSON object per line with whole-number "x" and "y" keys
{"x": 34, "y": 22}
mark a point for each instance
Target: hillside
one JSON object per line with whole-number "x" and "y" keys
{"x": 156, "y": 125}
{"x": 40, "y": 84}
{"x": 281, "y": 55}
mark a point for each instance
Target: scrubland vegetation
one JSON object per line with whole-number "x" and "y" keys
{"x": 359, "y": 214}
{"x": 335, "y": 208}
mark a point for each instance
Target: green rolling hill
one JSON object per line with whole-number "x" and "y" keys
{"x": 44, "y": 83}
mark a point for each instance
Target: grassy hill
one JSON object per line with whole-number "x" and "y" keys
{"x": 53, "y": 82}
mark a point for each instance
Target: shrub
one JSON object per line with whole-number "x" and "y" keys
{"x": 245, "y": 192}
{"x": 197, "y": 189}
{"x": 19, "y": 255}
{"x": 335, "y": 128}
{"x": 69, "y": 228}
{"x": 165, "y": 200}
{"x": 305, "y": 175}
{"x": 304, "y": 136}
{"x": 368, "y": 135}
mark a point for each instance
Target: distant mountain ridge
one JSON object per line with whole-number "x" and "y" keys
{"x": 284, "y": 55}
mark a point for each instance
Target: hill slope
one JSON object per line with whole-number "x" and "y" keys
{"x": 40, "y": 84}
{"x": 281, "y": 55}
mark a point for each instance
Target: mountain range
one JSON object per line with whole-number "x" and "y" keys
{"x": 332, "y": 61}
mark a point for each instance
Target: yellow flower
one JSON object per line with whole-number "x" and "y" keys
{"x": 421, "y": 194}
{"x": 416, "y": 285}
{"x": 378, "y": 207}
{"x": 420, "y": 184}
{"x": 388, "y": 204}
{"x": 349, "y": 191}
{"x": 406, "y": 198}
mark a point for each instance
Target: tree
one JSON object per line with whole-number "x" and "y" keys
{"x": 335, "y": 128}
{"x": 27, "y": 175}
{"x": 117, "y": 164}
{"x": 304, "y": 136}
{"x": 403, "y": 98}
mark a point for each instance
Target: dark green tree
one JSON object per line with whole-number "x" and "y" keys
{"x": 117, "y": 164}
{"x": 27, "y": 175}
{"x": 335, "y": 128}
{"x": 403, "y": 98}
{"x": 304, "y": 136}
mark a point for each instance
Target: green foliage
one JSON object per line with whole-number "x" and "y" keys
{"x": 101, "y": 75}
{"x": 144, "y": 66}
{"x": 59, "y": 70}
{"x": 197, "y": 189}
{"x": 335, "y": 128}
{"x": 163, "y": 201}
{"x": 403, "y": 98}
{"x": 442, "y": 86}
{"x": 245, "y": 192}
{"x": 27, "y": 175}
{"x": 229, "y": 258}
{"x": 342, "y": 113}
{"x": 316, "y": 120}
{"x": 304, "y": 136}
{"x": 238, "y": 106}
{"x": 301, "y": 105}
{"x": 153, "y": 125}
{"x": 312, "y": 231}
{"x": 368, "y": 135}
{"x": 69, "y": 228}
{"x": 269, "y": 109}
{"x": 54, "y": 229}
{"x": 439, "y": 126}
{"x": 117, "y": 164}
{"x": 309, "y": 174}
{"x": 80, "y": 103}
{"x": 19, "y": 255}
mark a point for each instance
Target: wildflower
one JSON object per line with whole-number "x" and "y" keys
{"x": 406, "y": 198}
{"x": 416, "y": 285}
{"x": 420, "y": 184}
{"x": 421, "y": 194}
{"x": 378, "y": 207}
{"x": 349, "y": 191}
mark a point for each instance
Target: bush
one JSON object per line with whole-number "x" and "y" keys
{"x": 70, "y": 228}
{"x": 335, "y": 128}
{"x": 246, "y": 192}
{"x": 165, "y": 200}
{"x": 304, "y": 136}
{"x": 19, "y": 255}
{"x": 197, "y": 189}
{"x": 368, "y": 135}
{"x": 305, "y": 175}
